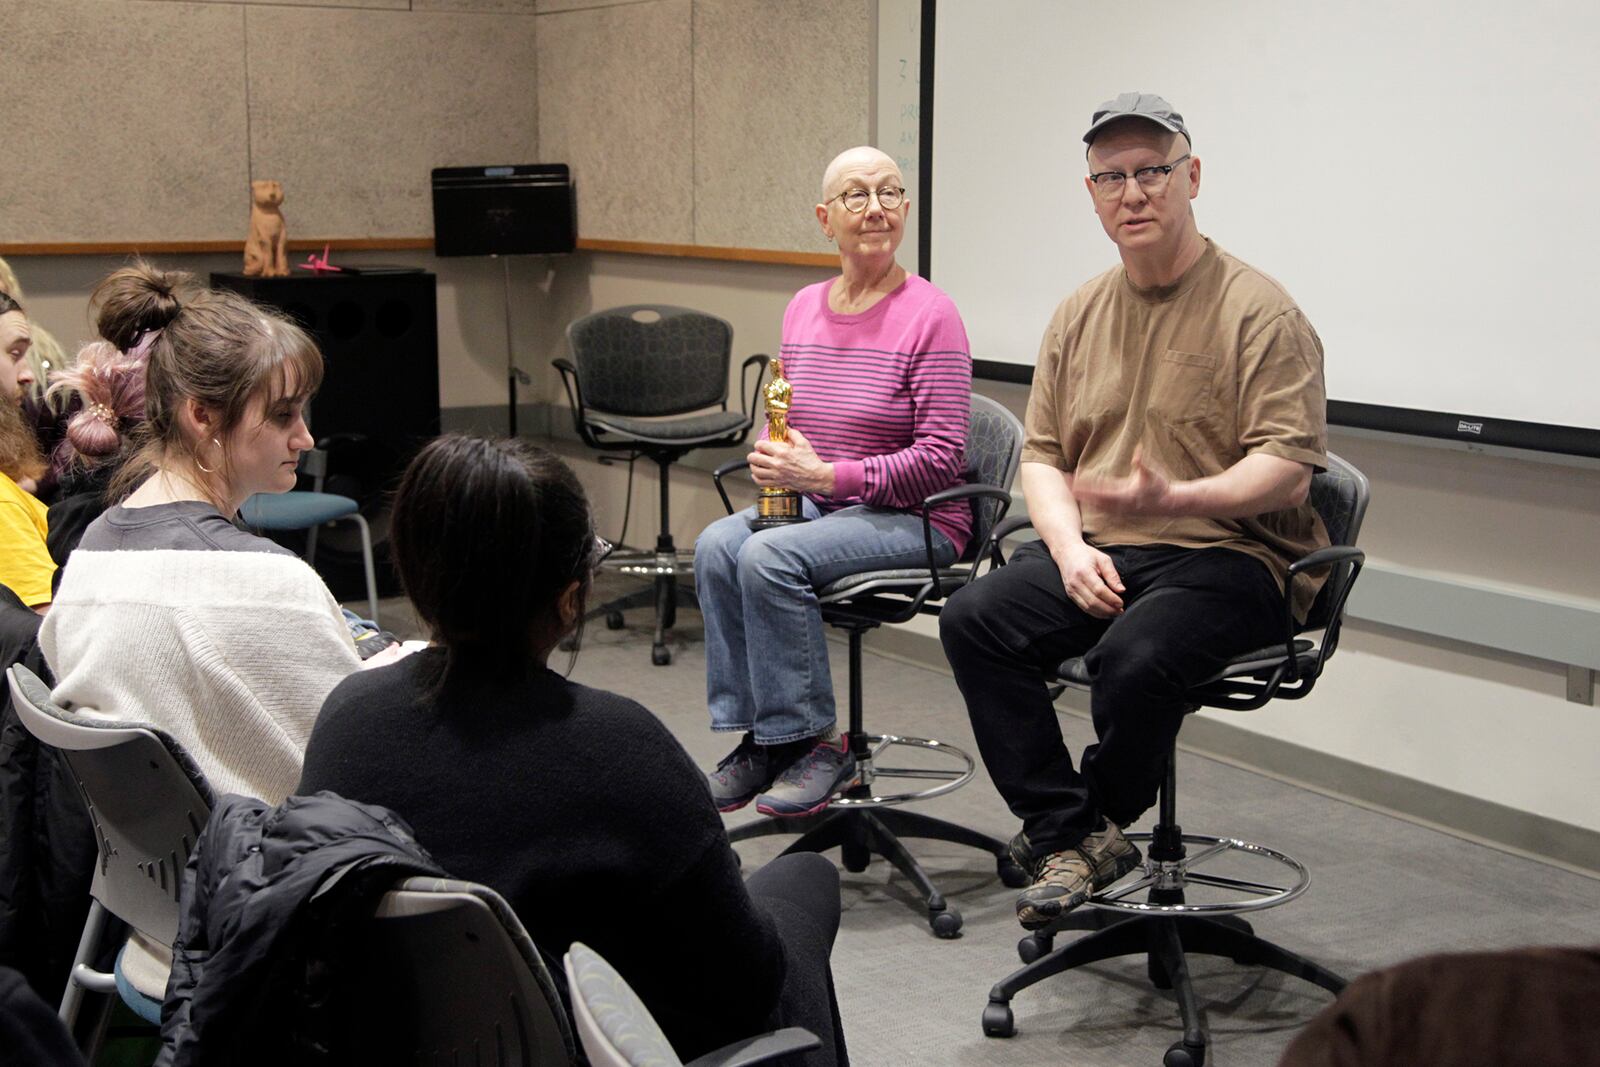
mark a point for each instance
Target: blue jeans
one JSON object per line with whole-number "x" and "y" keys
{"x": 766, "y": 657}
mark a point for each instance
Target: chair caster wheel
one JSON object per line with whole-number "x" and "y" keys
{"x": 569, "y": 643}
{"x": 998, "y": 1020}
{"x": 660, "y": 655}
{"x": 946, "y": 924}
{"x": 614, "y": 620}
{"x": 1033, "y": 947}
{"x": 1184, "y": 1055}
{"x": 1012, "y": 876}
{"x": 855, "y": 858}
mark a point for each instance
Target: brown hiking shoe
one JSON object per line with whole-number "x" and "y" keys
{"x": 1063, "y": 880}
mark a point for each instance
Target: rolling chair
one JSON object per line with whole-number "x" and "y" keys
{"x": 618, "y": 1031}
{"x": 639, "y": 381}
{"x": 862, "y": 821}
{"x": 444, "y": 971}
{"x": 309, "y": 510}
{"x": 148, "y": 802}
{"x": 1166, "y": 924}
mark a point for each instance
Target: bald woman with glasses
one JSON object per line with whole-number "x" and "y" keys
{"x": 881, "y": 379}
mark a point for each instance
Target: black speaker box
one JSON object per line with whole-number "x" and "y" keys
{"x": 531, "y": 209}
{"x": 379, "y": 400}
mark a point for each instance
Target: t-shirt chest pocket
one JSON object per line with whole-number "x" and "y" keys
{"x": 1181, "y": 390}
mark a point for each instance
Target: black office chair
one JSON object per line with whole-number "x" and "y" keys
{"x": 1166, "y": 924}
{"x": 639, "y": 381}
{"x": 862, "y": 821}
{"x": 148, "y": 802}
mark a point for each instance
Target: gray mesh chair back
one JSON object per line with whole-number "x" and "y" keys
{"x": 651, "y": 359}
{"x": 446, "y": 975}
{"x": 1339, "y": 494}
{"x": 146, "y": 798}
{"x": 994, "y": 449}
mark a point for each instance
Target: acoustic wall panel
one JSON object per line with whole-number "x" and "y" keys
{"x": 614, "y": 102}
{"x": 779, "y": 90}
{"x": 102, "y": 141}
{"x": 395, "y": 95}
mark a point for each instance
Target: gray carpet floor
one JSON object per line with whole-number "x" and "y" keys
{"x": 1382, "y": 890}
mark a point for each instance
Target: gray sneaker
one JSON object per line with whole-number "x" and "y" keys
{"x": 741, "y": 774}
{"x": 807, "y": 785}
{"x": 1063, "y": 880}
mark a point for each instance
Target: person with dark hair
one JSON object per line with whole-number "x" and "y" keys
{"x": 575, "y": 804}
{"x": 25, "y": 564}
{"x": 167, "y": 612}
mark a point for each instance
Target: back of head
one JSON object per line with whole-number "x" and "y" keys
{"x": 487, "y": 534}
{"x": 198, "y": 344}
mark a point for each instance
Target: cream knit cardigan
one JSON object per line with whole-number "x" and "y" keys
{"x": 232, "y": 653}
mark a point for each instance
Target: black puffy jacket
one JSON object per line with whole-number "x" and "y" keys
{"x": 256, "y": 962}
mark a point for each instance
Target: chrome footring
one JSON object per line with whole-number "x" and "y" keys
{"x": 872, "y": 771}
{"x": 649, "y": 564}
{"x": 1181, "y": 874}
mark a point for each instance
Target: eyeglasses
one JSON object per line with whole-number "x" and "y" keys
{"x": 856, "y": 200}
{"x": 1108, "y": 184}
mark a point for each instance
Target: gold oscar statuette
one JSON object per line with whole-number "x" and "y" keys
{"x": 776, "y": 506}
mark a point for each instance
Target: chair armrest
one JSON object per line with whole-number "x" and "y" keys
{"x": 759, "y": 1049}
{"x": 959, "y": 492}
{"x": 574, "y": 388}
{"x": 722, "y": 472}
{"x": 759, "y": 361}
{"x": 1006, "y": 527}
{"x": 1302, "y": 567}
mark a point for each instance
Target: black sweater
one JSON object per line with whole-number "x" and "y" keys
{"x": 579, "y": 808}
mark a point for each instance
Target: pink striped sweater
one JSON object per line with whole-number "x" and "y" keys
{"x": 884, "y": 396}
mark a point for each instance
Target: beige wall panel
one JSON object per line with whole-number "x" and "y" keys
{"x": 398, "y": 94}
{"x": 780, "y": 89}
{"x": 545, "y": 6}
{"x": 101, "y": 142}
{"x": 614, "y": 102}
{"x": 521, "y": 7}
{"x": 394, "y": 5}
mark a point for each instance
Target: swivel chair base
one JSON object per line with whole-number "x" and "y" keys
{"x": 862, "y": 822}
{"x": 861, "y": 833}
{"x": 1166, "y": 928}
{"x": 664, "y": 593}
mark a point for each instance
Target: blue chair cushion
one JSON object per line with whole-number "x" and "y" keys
{"x": 295, "y": 511}
{"x": 146, "y": 1008}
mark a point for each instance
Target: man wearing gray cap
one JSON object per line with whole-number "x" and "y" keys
{"x": 1176, "y": 417}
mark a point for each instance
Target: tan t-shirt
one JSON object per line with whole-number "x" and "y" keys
{"x": 1201, "y": 373}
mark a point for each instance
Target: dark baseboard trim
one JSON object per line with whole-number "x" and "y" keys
{"x": 1522, "y": 833}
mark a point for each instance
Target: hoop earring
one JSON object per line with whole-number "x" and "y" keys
{"x": 205, "y": 469}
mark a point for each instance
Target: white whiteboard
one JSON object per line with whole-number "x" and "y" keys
{"x": 1423, "y": 177}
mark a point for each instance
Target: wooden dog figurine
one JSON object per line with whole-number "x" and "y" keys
{"x": 265, "y": 251}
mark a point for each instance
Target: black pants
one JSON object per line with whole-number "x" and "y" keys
{"x": 1186, "y": 613}
{"x": 801, "y": 894}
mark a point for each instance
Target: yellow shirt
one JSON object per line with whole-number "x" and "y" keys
{"x": 1200, "y": 373}
{"x": 25, "y": 564}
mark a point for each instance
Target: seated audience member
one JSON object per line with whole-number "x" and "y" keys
{"x": 25, "y": 564}
{"x": 1175, "y": 420}
{"x": 46, "y": 415}
{"x": 1519, "y": 1006}
{"x": 882, "y": 383}
{"x": 575, "y": 804}
{"x": 168, "y": 613}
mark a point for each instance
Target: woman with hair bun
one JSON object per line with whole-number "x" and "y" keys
{"x": 166, "y": 612}
{"x": 575, "y": 804}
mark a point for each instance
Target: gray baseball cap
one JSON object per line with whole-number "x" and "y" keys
{"x": 1146, "y": 106}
